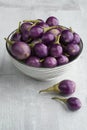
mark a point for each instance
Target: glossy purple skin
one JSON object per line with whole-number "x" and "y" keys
{"x": 50, "y": 62}
{"x": 20, "y": 50}
{"x": 25, "y": 27}
{"x": 73, "y": 49}
{"x": 25, "y": 36}
{"x": 52, "y": 21}
{"x": 48, "y": 38}
{"x": 41, "y": 50}
{"x": 67, "y": 36}
{"x": 56, "y": 50}
{"x": 55, "y": 32}
{"x": 33, "y": 61}
{"x": 74, "y": 103}
{"x": 36, "y": 32}
{"x": 76, "y": 39}
{"x": 42, "y": 24}
{"x": 67, "y": 87}
{"x": 16, "y": 37}
{"x": 62, "y": 60}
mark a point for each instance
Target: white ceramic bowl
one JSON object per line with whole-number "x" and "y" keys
{"x": 43, "y": 73}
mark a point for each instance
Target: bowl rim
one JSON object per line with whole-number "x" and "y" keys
{"x": 42, "y": 68}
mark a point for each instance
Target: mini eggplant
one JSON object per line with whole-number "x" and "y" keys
{"x": 73, "y": 103}
{"x": 48, "y": 38}
{"x": 65, "y": 87}
{"x": 20, "y": 50}
{"x": 73, "y": 49}
{"x": 50, "y": 62}
{"x": 56, "y": 50}
{"x": 41, "y": 50}
{"x": 62, "y": 60}
{"x": 16, "y": 37}
{"x": 25, "y": 27}
{"x": 67, "y": 36}
{"x": 33, "y": 61}
{"x": 52, "y": 21}
{"x": 76, "y": 39}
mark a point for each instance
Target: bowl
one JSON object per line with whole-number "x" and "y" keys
{"x": 42, "y": 73}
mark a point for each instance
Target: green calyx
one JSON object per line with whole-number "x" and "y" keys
{"x": 62, "y": 27}
{"x": 66, "y": 54}
{"x": 18, "y": 30}
{"x": 54, "y": 88}
{"x": 49, "y": 28}
{"x": 8, "y": 41}
{"x": 41, "y": 60}
{"x": 29, "y": 40}
{"x": 32, "y": 45}
{"x": 32, "y": 21}
{"x": 60, "y": 99}
{"x": 71, "y": 29}
{"x": 32, "y": 26}
{"x": 57, "y": 41}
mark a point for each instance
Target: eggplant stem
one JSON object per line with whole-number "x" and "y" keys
{"x": 53, "y": 27}
{"x": 41, "y": 60}
{"x": 37, "y": 41}
{"x": 8, "y": 41}
{"x": 57, "y": 39}
{"x": 32, "y": 26}
{"x": 49, "y": 28}
{"x": 61, "y": 27}
{"x": 31, "y": 45}
{"x": 66, "y": 54}
{"x": 28, "y": 40}
{"x": 32, "y": 21}
{"x": 71, "y": 29}
{"x": 60, "y": 99}
{"x": 18, "y": 30}
{"x": 54, "y": 88}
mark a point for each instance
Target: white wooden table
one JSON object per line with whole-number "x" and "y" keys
{"x": 21, "y": 107}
